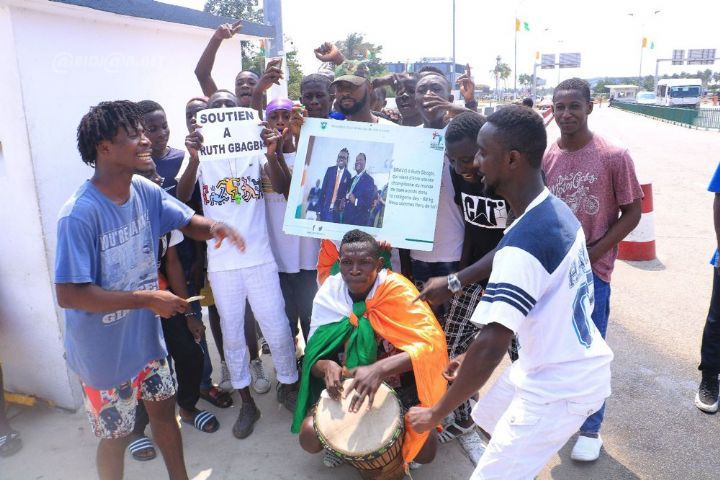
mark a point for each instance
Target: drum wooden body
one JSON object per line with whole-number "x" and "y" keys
{"x": 369, "y": 440}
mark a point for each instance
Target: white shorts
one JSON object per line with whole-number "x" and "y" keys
{"x": 524, "y": 434}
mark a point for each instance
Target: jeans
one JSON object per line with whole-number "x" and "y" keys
{"x": 710, "y": 347}
{"x": 423, "y": 271}
{"x": 600, "y": 315}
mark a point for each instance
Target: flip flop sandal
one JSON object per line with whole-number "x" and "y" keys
{"x": 140, "y": 446}
{"x": 446, "y": 435}
{"x": 10, "y": 444}
{"x": 202, "y": 419}
{"x": 217, "y": 397}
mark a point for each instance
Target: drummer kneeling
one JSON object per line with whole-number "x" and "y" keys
{"x": 364, "y": 318}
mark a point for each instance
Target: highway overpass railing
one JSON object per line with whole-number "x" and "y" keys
{"x": 708, "y": 118}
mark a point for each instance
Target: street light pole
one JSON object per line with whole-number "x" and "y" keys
{"x": 497, "y": 77}
{"x": 452, "y": 69}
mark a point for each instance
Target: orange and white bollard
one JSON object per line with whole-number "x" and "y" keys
{"x": 639, "y": 245}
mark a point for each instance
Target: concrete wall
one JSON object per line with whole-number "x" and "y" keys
{"x": 64, "y": 59}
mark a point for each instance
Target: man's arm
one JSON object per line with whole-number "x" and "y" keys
{"x": 94, "y": 299}
{"x": 481, "y": 359}
{"x": 188, "y": 179}
{"x": 202, "y": 228}
{"x": 629, "y": 219}
{"x": 276, "y": 168}
{"x": 436, "y": 289}
{"x": 207, "y": 59}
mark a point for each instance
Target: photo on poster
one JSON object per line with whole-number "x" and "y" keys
{"x": 381, "y": 178}
{"x": 346, "y": 181}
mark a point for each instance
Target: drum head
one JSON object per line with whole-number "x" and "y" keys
{"x": 361, "y": 433}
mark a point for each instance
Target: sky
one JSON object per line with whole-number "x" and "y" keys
{"x": 608, "y": 38}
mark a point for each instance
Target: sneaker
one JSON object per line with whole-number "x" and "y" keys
{"x": 260, "y": 382}
{"x": 264, "y": 347}
{"x": 249, "y": 414}
{"x": 473, "y": 445}
{"x": 286, "y": 396}
{"x": 225, "y": 382}
{"x": 707, "y": 397}
{"x": 586, "y": 449}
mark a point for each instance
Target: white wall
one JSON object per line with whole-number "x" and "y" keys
{"x": 68, "y": 59}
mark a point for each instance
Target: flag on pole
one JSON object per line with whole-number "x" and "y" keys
{"x": 262, "y": 48}
{"x": 644, "y": 42}
{"x": 537, "y": 55}
{"x": 519, "y": 24}
{"x": 652, "y": 45}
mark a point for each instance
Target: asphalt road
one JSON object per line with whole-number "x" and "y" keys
{"x": 652, "y": 429}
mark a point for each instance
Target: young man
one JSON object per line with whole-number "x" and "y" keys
{"x": 367, "y": 312}
{"x": 106, "y": 279}
{"x": 360, "y": 196}
{"x": 315, "y": 95}
{"x": 352, "y": 99}
{"x": 252, "y": 277}
{"x": 433, "y": 99}
{"x": 486, "y": 217}
{"x": 187, "y": 186}
{"x": 541, "y": 289}
{"x": 245, "y": 81}
{"x": 706, "y": 398}
{"x": 597, "y": 180}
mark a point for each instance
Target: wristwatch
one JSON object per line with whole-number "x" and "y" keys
{"x": 454, "y": 284}
{"x": 472, "y": 104}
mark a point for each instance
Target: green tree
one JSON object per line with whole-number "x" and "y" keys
{"x": 239, "y": 9}
{"x": 502, "y": 72}
{"x": 252, "y": 56}
{"x": 356, "y": 49}
{"x": 525, "y": 79}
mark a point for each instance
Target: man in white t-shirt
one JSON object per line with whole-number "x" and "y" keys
{"x": 433, "y": 97}
{"x": 541, "y": 290}
{"x": 231, "y": 192}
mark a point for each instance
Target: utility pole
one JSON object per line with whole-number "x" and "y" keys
{"x": 452, "y": 69}
{"x": 272, "y": 10}
{"x": 497, "y": 77}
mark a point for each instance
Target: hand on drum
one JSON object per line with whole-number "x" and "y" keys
{"x": 333, "y": 379}
{"x": 367, "y": 380}
{"x": 421, "y": 419}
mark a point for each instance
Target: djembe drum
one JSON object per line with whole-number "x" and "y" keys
{"x": 369, "y": 440}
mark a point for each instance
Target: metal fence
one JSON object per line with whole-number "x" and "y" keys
{"x": 708, "y": 118}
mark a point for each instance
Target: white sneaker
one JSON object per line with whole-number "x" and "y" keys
{"x": 587, "y": 449}
{"x": 473, "y": 445}
{"x": 225, "y": 382}
{"x": 260, "y": 382}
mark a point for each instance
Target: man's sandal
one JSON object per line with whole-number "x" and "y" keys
{"x": 10, "y": 443}
{"x": 203, "y": 421}
{"x": 142, "y": 449}
{"x": 446, "y": 435}
{"x": 217, "y": 397}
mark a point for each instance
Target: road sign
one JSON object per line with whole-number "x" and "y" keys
{"x": 678, "y": 57}
{"x": 703, "y": 56}
{"x": 569, "y": 60}
{"x": 547, "y": 61}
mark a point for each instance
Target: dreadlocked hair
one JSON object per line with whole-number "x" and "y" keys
{"x": 102, "y": 122}
{"x": 465, "y": 125}
{"x": 147, "y": 106}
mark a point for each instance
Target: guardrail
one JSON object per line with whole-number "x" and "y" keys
{"x": 708, "y": 118}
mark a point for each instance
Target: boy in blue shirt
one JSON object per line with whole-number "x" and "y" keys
{"x": 106, "y": 279}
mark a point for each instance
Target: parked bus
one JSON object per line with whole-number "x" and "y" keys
{"x": 679, "y": 92}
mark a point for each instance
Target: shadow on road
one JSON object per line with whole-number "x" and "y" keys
{"x": 650, "y": 265}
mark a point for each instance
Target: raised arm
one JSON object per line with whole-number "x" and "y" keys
{"x": 207, "y": 59}
{"x": 92, "y": 298}
{"x": 188, "y": 179}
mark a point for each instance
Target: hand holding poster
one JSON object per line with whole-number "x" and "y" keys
{"x": 380, "y": 178}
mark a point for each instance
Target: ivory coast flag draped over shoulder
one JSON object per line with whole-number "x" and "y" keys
{"x": 389, "y": 312}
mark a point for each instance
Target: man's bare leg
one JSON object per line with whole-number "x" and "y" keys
{"x": 110, "y": 458}
{"x": 166, "y": 434}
